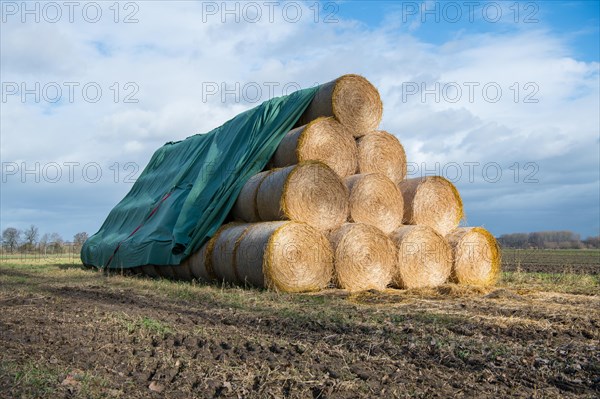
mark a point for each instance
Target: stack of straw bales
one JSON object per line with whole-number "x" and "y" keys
{"x": 335, "y": 208}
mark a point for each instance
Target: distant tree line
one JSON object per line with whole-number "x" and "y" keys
{"x": 548, "y": 240}
{"x": 29, "y": 240}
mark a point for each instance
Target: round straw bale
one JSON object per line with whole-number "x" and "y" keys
{"x": 245, "y": 205}
{"x": 323, "y": 139}
{"x": 309, "y": 192}
{"x": 198, "y": 265}
{"x": 150, "y": 271}
{"x": 351, "y": 99}
{"x": 381, "y": 152}
{"x": 375, "y": 200}
{"x": 432, "y": 201}
{"x": 222, "y": 256}
{"x": 365, "y": 257}
{"x": 424, "y": 257}
{"x": 285, "y": 256}
{"x": 476, "y": 256}
{"x": 165, "y": 271}
{"x": 182, "y": 271}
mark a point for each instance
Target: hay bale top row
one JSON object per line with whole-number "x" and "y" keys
{"x": 352, "y": 100}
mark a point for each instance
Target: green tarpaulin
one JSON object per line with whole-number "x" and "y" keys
{"x": 187, "y": 189}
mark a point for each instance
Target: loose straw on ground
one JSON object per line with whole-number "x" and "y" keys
{"x": 365, "y": 257}
{"x": 309, "y": 192}
{"x": 424, "y": 257}
{"x": 432, "y": 201}
{"x": 476, "y": 256}
{"x": 323, "y": 139}
{"x": 375, "y": 200}
{"x": 381, "y": 152}
{"x": 352, "y": 100}
{"x": 284, "y": 256}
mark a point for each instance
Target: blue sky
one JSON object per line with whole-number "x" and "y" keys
{"x": 527, "y": 160}
{"x": 578, "y": 21}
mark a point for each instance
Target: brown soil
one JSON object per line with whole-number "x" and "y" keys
{"x": 551, "y": 261}
{"x": 96, "y": 336}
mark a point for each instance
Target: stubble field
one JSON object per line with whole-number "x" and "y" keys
{"x": 68, "y": 332}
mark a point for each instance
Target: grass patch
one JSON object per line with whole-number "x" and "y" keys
{"x": 35, "y": 380}
{"x": 9, "y": 279}
{"x": 331, "y": 307}
{"x": 558, "y": 282}
{"x": 437, "y": 319}
{"x": 155, "y": 326}
{"x": 144, "y": 326}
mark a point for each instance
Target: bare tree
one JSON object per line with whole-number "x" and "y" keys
{"x": 56, "y": 242}
{"x": 515, "y": 240}
{"x": 80, "y": 238}
{"x": 542, "y": 239}
{"x": 31, "y": 235}
{"x": 44, "y": 241}
{"x": 592, "y": 242}
{"x": 10, "y": 238}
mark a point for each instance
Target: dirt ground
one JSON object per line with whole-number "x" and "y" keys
{"x": 66, "y": 332}
{"x": 551, "y": 261}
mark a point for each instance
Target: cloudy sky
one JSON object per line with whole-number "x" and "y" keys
{"x": 500, "y": 97}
